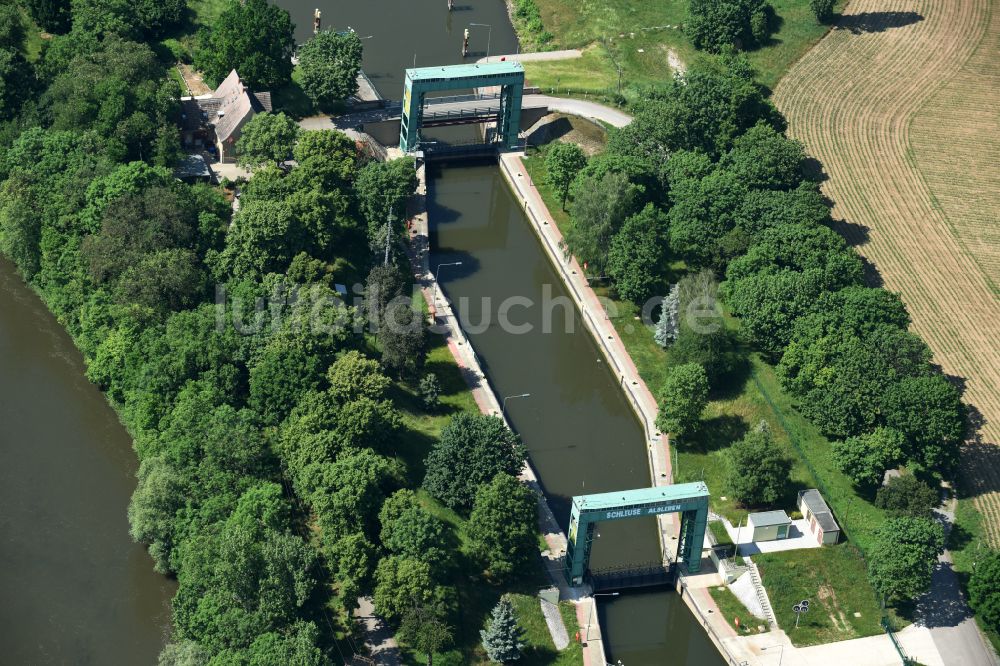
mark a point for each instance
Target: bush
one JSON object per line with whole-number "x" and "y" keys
{"x": 472, "y": 450}
{"x": 907, "y": 495}
{"x": 683, "y": 397}
{"x": 822, "y": 9}
{"x": 758, "y": 472}
{"x": 715, "y": 24}
{"x": 865, "y": 458}
{"x": 984, "y": 589}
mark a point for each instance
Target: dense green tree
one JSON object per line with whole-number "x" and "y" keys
{"x": 404, "y": 583}
{"x": 330, "y": 148}
{"x": 703, "y": 110}
{"x": 17, "y": 82}
{"x": 668, "y": 325}
{"x": 120, "y": 89}
{"x": 502, "y": 637}
{"x": 20, "y": 227}
{"x": 702, "y": 336}
{"x": 903, "y": 556}
{"x": 702, "y": 217}
{"x": 636, "y": 254}
{"x": 682, "y": 398}
{"x": 503, "y": 527}
{"x": 264, "y": 238}
{"x": 52, "y": 15}
{"x": 426, "y": 631}
{"x": 843, "y": 378}
{"x": 764, "y": 158}
{"x": 984, "y": 588}
{"x": 354, "y": 376}
{"x": 763, "y": 209}
{"x": 757, "y": 471}
{"x": 906, "y": 495}
{"x": 782, "y": 275}
{"x": 382, "y": 189}
{"x": 348, "y": 493}
{"x": 430, "y": 392}
{"x": 822, "y": 9}
{"x": 402, "y": 338}
{"x": 249, "y": 579}
{"x": 280, "y": 377}
{"x": 713, "y": 25}
{"x": 865, "y": 458}
{"x": 384, "y": 285}
{"x": 598, "y": 211}
{"x": 267, "y": 138}
{"x": 11, "y": 28}
{"x": 409, "y": 530}
{"x": 329, "y": 64}
{"x": 646, "y": 174}
{"x": 929, "y": 412}
{"x": 127, "y": 19}
{"x": 472, "y": 450}
{"x": 152, "y": 511}
{"x": 254, "y": 37}
{"x": 563, "y": 162}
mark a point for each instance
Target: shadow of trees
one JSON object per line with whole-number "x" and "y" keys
{"x": 876, "y": 21}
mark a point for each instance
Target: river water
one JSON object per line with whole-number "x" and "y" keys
{"x": 74, "y": 588}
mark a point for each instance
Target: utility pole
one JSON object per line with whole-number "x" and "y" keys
{"x": 388, "y": 235}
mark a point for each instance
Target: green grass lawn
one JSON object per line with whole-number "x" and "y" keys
{"x": 720, "y": 533}
{"x": 840, "y": 608}
{"x": 732, "y": 608}
{"x": 639, "y": 36}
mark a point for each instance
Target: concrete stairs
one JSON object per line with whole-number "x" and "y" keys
{"x": 765, "y": 603}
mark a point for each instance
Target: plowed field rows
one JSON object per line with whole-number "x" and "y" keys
{"x": 900, "y": 104}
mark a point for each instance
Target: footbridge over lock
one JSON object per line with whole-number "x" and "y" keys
{"x": 688, "y": 499}
{"x": 490, "y": 94}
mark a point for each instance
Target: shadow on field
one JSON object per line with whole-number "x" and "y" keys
{"x": 877, "y": 21}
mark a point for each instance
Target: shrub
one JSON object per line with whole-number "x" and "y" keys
{"x": 907, "y": 496}
{"x": 822, "y": 9}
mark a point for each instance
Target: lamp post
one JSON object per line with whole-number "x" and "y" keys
{"x": 489, "y": 36}
{"x": 593, "y": 605}
{"x": 503, "y": 408}
{"x": 799, "y": 609}
{"x": 437, "y": 272}
{"x": 781, "y": 650}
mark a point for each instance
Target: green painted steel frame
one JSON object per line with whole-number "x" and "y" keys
{"x": 688, "y": 499}
{"x": 509, "y": 76}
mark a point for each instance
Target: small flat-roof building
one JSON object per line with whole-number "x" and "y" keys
{"x": 769, "y": 525}
{"x": 820, "y": 518}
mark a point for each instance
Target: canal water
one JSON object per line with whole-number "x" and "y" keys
{"x": 74, "y": 588}
{"x": 582, "y": 435}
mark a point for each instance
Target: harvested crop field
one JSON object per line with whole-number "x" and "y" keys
{"x": 901, "y": 104}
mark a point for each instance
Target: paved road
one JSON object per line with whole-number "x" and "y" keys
{"x": 944, "y": 611}
{"x": 538, "y": 56}
{"x": 573, "y": 107}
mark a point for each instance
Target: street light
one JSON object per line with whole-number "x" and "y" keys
{"x": 489, "y": 36}
{"x": 503, "y": 408}
{"x": 437, "y": 272}
{"x": 593, "y": 604}
{"x": 799, "y": 609}
{"x": 781, "y": 651}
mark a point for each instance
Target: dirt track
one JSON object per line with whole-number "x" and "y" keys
{"x": 892, "y": 103}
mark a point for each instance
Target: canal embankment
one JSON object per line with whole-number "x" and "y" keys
{"x": 691, "y": 587}
{"x": 446, "y": 323}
